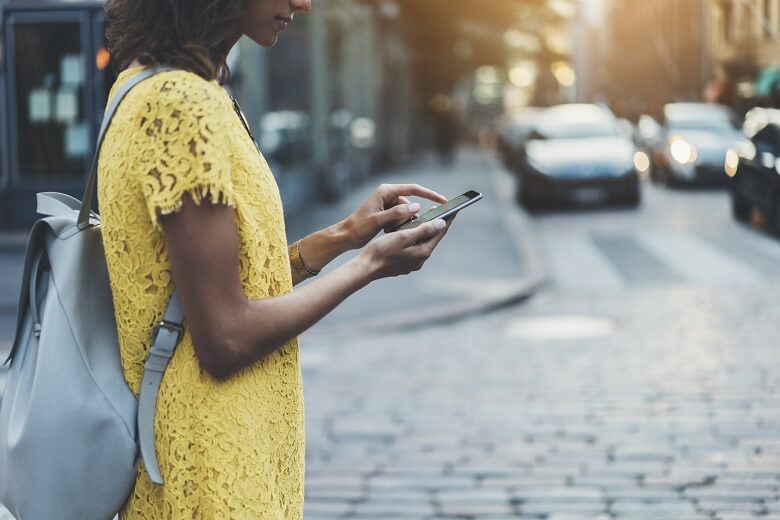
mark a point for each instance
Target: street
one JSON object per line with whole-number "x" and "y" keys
{"x": 641, "y": 383}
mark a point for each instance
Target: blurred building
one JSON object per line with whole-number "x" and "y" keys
{"x": 644, "y": 54}
{"x": 332, "y": 101}
{"x": 329, "y": 104}
{"x": 745, "y": 42}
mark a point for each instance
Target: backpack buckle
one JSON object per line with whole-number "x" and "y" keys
{"x": 171, "y": 327}
{"x": 174, "y": 329}
{"x": 166, "y": 336}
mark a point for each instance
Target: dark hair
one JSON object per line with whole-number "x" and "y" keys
{"x": 188, "y": 34}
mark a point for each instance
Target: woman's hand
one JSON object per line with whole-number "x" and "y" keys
{"x": 387, "y": 208}
{"x": 404, "y": 251}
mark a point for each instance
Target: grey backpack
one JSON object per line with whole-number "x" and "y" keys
{"x": 70, "y": 427}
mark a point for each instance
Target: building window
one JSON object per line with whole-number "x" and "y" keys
{"x": 52, "y": 125}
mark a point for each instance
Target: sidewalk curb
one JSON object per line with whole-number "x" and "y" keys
{"x": 13, "y": 241}
{"x": 525, "y": 244}
{"x": 516, "y": 221}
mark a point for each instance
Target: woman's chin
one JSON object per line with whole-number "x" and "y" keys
{"x": 268, "y": 40}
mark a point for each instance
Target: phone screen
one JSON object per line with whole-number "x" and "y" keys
{"x": 445, "y": 210}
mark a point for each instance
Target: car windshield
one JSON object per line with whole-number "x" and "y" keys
{"x": 577, "y": 129}
{"x": 710, "y": 118}
{"x": 710, "y": 125}
{"x": 577, "y": 123}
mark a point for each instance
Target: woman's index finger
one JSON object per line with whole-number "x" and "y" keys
{"x": 401, "y": 190}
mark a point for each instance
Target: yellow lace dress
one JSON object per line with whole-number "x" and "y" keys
{"x": 227, "y": 449}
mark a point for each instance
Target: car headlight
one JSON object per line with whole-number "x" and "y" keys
{"x": 732, "y": 162}
{"x": 682, "y": 151}
{"x": 641, "y": 162}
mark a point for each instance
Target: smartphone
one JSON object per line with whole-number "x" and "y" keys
{"x": 445, "y": 210}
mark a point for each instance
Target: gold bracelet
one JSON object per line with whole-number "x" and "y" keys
{"x": 297, "y": 263}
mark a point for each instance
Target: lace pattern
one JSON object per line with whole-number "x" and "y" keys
{"x": 231, "y": 449}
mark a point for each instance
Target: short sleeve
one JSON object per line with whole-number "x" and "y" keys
{"x": 186, "y": 148}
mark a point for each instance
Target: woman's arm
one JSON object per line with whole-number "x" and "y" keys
{"x": 387, "y": 208}
{"x": 231, "y": 332}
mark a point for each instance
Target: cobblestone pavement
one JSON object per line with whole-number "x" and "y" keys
{"x": 643, "y": 384}
{"x": 675, "y": 415}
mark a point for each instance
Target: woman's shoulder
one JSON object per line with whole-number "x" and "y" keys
{"x": 174, "y": 89}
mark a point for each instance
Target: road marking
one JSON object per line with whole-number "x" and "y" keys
{"x": 636, "y": 264}
{"x": 577, "y": 262}
{"x": 697, "y": 260}
{"x": 467, "y": 287}
{"x": 560, "y": 327}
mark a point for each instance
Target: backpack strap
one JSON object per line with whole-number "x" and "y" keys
{"x": 89, "y": 192}
{"x": 166, "y": 336}
{"x": 170, "y": 330}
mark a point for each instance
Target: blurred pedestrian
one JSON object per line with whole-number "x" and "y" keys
{"x": 446, "y": 128}
{"x": 721, "y": 91}
{"x": 187, "y": 201}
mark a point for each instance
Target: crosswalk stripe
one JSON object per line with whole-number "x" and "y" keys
{"x": 697, "y": 260}
{"x": 636, "y": 264}
{"x": 576, "y": 262}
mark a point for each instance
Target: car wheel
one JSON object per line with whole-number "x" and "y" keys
{"x": 671, "y": 180}
{"x": 655, "y": 176}
{"x": 740, "y": 207}
{"x": 634, "y": 198}
{"x": 527, "y": 199}
{"x": 661, "y": 175}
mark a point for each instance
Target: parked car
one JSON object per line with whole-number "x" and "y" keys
{"x": 694, "y": 140}
{"x": 577, "y": 154}
{"x": 286, "y": 139}
{"x": 351, "y": 142}
{"x": 513, "y": 132}
{"x": 753, "y": 167}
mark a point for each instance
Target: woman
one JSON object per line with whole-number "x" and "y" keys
{"x": 187, "y": 201}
